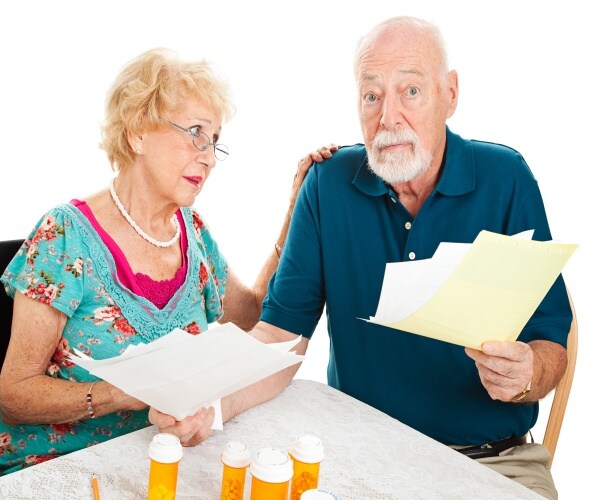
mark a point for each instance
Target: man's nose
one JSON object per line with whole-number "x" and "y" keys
{"x": 392, "y": 112}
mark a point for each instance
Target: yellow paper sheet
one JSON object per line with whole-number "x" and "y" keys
{"x": 492, "y": 293}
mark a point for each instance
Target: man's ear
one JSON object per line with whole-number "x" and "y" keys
{"x": 452, "y": 89}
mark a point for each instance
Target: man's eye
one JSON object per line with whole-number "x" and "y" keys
{"x": 370, "y": 97}
{"x": 412, "y": 91}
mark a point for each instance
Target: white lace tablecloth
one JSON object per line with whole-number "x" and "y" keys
{"x": 368, "y": 456}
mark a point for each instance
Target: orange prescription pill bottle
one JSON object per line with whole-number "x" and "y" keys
{"x": 165, "y": 452}
{"x": 235, "y": 458}
{"x": 307, "y": 454}
{"x": 271, "y": 471}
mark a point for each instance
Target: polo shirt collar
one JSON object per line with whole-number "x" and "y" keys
{"x": 458, "y": 168}
{"x": 366, "y": 181}
{"x": 458, "y": 171}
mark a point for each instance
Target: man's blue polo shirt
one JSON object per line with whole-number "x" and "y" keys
{"x": 347, "y": 224}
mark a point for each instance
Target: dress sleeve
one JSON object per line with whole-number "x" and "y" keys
{"x": 213, "y": 269}
{"x": 49, "y": 265}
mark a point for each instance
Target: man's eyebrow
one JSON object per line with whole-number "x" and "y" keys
{"x": 368, "y": 77}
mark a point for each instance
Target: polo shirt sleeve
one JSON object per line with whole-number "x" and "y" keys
{"x": 552, "y": 319}
{"x": 296, "y": 296}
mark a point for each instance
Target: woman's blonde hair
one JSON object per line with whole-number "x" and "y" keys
{"x": 146, "y": 88}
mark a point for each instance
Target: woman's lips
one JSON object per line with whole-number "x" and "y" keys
{"x": 193, "y": 180}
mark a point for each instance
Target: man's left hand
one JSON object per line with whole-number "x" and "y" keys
{"x": 505, "y": 368}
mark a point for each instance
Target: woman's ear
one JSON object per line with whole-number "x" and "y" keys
{"x": 136, "y": 142}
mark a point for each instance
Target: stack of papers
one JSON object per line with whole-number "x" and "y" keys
{"x": 467, "y": 294}
{"x": 180, "y": 373}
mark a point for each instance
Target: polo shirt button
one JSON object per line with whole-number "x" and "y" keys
{"x": 411, "y": 255}
{"x": 408, "y": 225}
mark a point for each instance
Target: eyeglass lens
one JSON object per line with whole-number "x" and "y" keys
{"x": 202, "y": 142}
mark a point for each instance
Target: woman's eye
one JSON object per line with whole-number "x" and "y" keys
{"x": 195, "y": 131}
{"x": 370, "y": 98}
{"x": 412, "y": 91}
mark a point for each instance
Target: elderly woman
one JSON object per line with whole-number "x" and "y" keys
{"x": 122, "y": 266}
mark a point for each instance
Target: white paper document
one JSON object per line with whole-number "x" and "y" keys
{"x": 469, "y": 293}
{"x": 180, "y": 373}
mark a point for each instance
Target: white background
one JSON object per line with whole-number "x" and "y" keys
{"x": 528, "y": 79}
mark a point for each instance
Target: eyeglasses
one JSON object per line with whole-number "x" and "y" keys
{"x": 202, "y": 141}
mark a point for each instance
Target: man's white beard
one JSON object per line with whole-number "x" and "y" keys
{"x": 397, "y": 166}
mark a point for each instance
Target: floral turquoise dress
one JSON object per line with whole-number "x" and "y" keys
{"x": 65, "y": 264}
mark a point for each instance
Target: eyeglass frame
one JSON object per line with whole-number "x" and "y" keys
{"x": 209, "y": 143}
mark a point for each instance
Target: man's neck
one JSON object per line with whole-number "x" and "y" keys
{"x": 412, "y": 194}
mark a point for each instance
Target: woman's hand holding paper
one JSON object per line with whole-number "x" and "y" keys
{"x": 191, "y": 430}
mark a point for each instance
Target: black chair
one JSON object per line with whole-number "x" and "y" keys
{"x": 8, "y": 249}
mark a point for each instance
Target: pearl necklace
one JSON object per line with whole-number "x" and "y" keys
{"x": 138, "y": 229}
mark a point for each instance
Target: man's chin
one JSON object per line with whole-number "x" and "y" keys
{"x": 395, "y": 172}
{"x": 402, "y": 157}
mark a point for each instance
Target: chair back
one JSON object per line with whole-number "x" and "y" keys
{"x": 561, "y": 394}
{"x": 8, "y": 249}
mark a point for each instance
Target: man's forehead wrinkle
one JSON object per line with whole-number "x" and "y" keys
{"x": 369, "y": 64}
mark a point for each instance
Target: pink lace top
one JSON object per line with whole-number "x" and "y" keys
{"x": 157, "y": 292}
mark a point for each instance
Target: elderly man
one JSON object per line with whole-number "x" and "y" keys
{"x": 414, "y": 185}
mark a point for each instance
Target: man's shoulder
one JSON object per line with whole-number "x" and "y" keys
{"x": 357, "y": 150}
{"x": 493, "y": 148}
{"x": 346, "y": 157}
{"x": 341, "y": 168}
{"x": 494, "y": 153}
{"x": 494, "y": 156}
